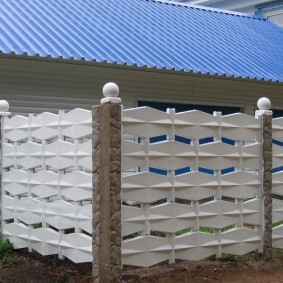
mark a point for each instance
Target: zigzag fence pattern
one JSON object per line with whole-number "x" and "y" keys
{"x": 199, "y": 213}
{"x": 47, "y": 183}
{"x": 192, "y": 187}
{"x": 277, "y": 183}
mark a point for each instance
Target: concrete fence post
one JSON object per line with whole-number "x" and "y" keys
{"x": 107, "y": 187}
{"x": 265, "y": 115}
{"x": 4, "y": 108}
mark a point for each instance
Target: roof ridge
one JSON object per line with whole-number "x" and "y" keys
{"x": 209, "y": 9}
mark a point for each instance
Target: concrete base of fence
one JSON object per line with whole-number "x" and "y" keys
{"x": 106, "y": 193}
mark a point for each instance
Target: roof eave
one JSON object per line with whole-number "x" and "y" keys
{"x": 105, "y": 64}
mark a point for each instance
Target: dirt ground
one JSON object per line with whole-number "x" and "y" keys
{"x": 33, "y": 268}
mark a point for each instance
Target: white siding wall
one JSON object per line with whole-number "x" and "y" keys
{"x": 34, "y": 86}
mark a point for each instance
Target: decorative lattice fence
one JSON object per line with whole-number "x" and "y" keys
{"x": 192, "y": 184}
{"x": 277, "y": 183}
{"x": 47, "y": 183}
{"x": 193, "y": 208}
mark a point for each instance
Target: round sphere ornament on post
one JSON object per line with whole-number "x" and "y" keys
{"x": 4, "y": 108}
{"x": 264, "y": 103}
{"x": 111, "y": 92}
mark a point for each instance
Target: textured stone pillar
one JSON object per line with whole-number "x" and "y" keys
{"x": 106, "y": 192}
{"x": 266, "y": 122}
{"x": 267, "y": 185}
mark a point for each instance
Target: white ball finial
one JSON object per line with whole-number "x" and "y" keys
{"x": 263, "y": 103}
{"x": 4, "y": 106}
{"x": 110, "y": 91}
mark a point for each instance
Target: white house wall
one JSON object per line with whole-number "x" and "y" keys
{"x": 36, "y": 86}
{"x": 244, "y": 6}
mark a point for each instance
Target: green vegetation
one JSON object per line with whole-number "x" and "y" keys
{"x": 278, "y": 251}
{"x": 37, "y": 226}
{"x": 277, "y": 196}
{"x": 277, "y": 223}
{"x": 206, "y": 230}
{"x": 6, "y": 248}
{"x": 227, "y": 257}
{"x": 131, "y": 236}
{"x": 227, "y": 228}
{"x": 184, "y": 231}
{"x": 158, "y": 234}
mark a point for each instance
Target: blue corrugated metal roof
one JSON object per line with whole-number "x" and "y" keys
{"x": 144, "y": 33}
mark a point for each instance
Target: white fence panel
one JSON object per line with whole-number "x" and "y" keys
{"x": 191, "y": 188}
{"x": 277, "y": 183}
{"x": 47, "y": 183}
{"x": 185, "y": 207}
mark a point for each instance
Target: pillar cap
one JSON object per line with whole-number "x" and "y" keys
{"x": 264, "y": 103}
{"x": 4, "y": 108}
{"x": 111, "y": 92}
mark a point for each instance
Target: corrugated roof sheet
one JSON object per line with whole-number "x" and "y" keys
{"x": 144, "y": 33}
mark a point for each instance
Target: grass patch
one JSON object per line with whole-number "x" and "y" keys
{"x": 223, "y": 258}
{"x": 227, "y": 257}
{"x": 277, "y": 196}
{"x": 132, "y": 236}
{"x": 277, "y": 251}
{"x": 206, "y": 230}
{"x": 277, "y": 223}
{"x": 184, "y": 231}
{"x": 158, "y": 234}
{"x": 6, "y": 249}
{"x": 37, "y": 226}
{"x": 227, "y": 228}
